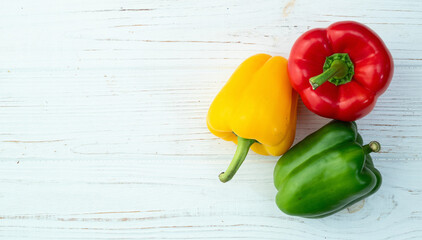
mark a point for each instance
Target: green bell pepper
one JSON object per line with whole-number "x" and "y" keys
{"x": 326, "y": 172}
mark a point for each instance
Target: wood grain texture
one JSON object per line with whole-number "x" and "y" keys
{"x": 102, "y": 120}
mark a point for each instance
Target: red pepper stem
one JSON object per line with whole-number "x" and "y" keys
{"x": 337, "y": 69}
{"x": 373, "y": 146}
{"x": 243, "y": 145}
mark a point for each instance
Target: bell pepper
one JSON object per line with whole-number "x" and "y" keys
{"x": 340, "y": 71}
{"x": 326, "y": 172}
{"x": 255, "y": 109}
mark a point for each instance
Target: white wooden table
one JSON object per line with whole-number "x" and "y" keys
{"x": 102, "y": 120}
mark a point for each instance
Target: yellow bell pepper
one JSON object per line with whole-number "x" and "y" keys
{"x": 255, "y": 109}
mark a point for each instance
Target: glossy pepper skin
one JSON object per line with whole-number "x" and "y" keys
{"x": 255, "y": 109}
{"x": 340, "y": 71}
{"x": 326, "y": 172}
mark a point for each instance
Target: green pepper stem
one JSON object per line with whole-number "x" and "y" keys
{"x": 337, "y": 69}
{"x": 243, "y": 145}
{"x": 373, "y": 146}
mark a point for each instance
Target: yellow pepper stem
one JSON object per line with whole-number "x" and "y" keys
{"x": 242, "y": 150}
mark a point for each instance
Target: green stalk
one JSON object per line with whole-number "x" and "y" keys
{"x": 242, "y": 150}
{"x": 338, "y": 69}
{"x": 373, "y": 146}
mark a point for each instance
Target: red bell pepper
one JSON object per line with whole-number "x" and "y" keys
{"x": 352, "y": 58}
